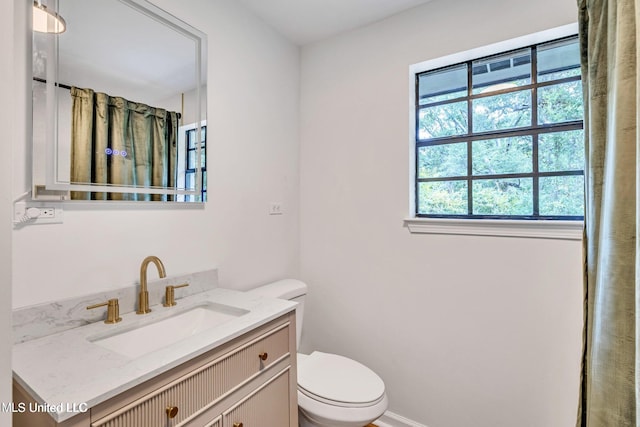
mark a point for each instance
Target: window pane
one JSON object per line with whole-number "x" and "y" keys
{"x": 190, "y": 180}
{"x": 558, "y": 60}
{"x": 509, "y": 110}
{"x": 443, "y": 198}
{"x": 445, "y": 160}
{"x": 560, "y": 103}
{"x": 562, "y": 195}
{"x": 503, "y": 196}
{"x": 442, "y": 85}
{"x": 443, "y": 120}
{"x": 203, "y": 157}
{"x": 503, "y": 155}
{"x": 191, "y": 159}
{"x": 561, "y": 151}
{"x": 191, "y": 138}
{"x": 502, "y": 72}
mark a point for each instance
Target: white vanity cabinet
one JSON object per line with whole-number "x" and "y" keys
{"x": 248, "y": 382}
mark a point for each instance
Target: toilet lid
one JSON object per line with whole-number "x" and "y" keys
{"x": 338, "y": 379}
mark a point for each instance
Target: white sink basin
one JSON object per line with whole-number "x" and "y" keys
{"x": 137, "y": 341}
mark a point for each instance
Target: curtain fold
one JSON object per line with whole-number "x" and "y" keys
{"x": 609, "y": 392}
{"x": 118, "y": 142}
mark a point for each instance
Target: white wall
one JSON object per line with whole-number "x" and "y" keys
{"x": 7, "y": 111}
{"x": 253, "y": 94}
{"x": 465, "y": 331}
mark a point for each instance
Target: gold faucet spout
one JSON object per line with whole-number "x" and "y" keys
{"x": 143, "y": 297}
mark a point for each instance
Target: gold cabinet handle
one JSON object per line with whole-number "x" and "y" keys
{"x": 263, "y": 356}
{"x": 113, "y": 310}
{"x": 171, "y": 411}
{"x": 237, "y": 424}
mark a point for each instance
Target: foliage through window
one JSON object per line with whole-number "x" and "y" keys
{"x": 502, "y": 136}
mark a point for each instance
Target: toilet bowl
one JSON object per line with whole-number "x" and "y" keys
{"x": 337, "y": 391}
{"x": 333, "y": 390}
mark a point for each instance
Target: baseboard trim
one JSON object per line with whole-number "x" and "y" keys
{"x": 389, "y": 419}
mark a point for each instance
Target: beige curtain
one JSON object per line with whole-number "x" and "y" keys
{"x": 610, "y": 390}
{"x": 123, "y": 143}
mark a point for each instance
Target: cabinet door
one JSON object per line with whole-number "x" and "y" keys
{"x": 268, "y": 406}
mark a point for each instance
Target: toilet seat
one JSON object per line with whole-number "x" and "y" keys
{"x": 338, "y": 381}
{"x": 330, "y": 402}
{"x": 313, "y": 413}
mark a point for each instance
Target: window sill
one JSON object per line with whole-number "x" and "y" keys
{"x": 559, "y": 230}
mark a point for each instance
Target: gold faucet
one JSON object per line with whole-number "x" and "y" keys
{"x": 143, "y": 297}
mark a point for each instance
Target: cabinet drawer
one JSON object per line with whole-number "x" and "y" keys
{"x": 268, "y": 406}
{"x": 204, "y": 386}
{"x": 216, "y": 423}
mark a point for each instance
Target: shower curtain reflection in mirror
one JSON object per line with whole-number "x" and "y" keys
{"x": 119, "y": 142}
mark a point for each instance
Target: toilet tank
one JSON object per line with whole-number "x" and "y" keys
{"x": 289, "y": 289}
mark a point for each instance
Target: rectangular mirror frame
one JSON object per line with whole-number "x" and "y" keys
{"x": 46, "y": 186}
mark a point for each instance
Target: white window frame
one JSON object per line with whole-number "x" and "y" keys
{"x": 565, "y": 230}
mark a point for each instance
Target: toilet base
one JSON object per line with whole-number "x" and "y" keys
{"x": 312, "y": 413}
{"x": 305, "y": 421}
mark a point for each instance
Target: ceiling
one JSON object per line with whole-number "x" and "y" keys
{"x": 87, "y": 59}
{"x": 157, "y": 68}
{"x": 307, "y": 21}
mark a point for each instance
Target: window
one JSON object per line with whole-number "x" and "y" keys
{"x": 187, "y": 173}
{"x": 501, "y": 137}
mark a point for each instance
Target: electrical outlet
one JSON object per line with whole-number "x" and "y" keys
{"x": 28, "y": 213}
{"x": 47, "y": 213}
{"x": 275, "y": 208}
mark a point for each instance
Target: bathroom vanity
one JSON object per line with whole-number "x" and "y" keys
{"x": 239, "y": 373}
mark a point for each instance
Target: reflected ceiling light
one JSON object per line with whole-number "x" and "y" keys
{"x": 47, "y": 21}
{"x": 498, "y": 86}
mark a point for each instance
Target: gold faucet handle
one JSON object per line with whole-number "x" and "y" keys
{"x": 113, "y": 310}
{"x": 169, "y": 295}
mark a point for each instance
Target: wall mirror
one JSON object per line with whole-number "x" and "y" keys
{"x": 119, "y": 104}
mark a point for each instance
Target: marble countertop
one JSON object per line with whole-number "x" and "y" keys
{"x": 66, "y": 372}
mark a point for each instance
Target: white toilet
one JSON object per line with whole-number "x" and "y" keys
{"x": 333, "y": 391}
